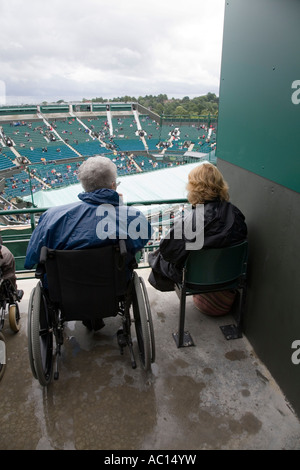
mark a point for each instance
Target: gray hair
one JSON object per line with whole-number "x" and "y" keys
{"x": 96, "y": 173}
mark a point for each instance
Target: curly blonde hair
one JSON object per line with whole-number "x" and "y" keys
{"x": 205, "y": 183}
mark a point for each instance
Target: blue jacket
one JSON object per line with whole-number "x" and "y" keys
{"x": 98, "y": 219}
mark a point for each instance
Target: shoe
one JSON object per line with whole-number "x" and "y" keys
{"x": 20, "y": 294}
{"x": 98, "y": 324}
{"x": 95, "y": 325}
{"x": 122, "y": 342}
{"x": 88, "y": 324}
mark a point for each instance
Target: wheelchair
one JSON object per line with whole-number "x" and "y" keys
{"x": 86, "y": 285}
{"x": 8, "y": 305}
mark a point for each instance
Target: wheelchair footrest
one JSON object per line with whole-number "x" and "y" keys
{"x": 122, "y": 341}
{"x": 231, "y": 331}
{"x": 186, "y": 342}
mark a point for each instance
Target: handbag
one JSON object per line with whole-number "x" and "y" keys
{"x": 156, "y": 278}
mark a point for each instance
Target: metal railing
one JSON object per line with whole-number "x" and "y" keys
{"x": 16, "y": 237}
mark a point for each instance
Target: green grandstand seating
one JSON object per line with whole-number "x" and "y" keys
{"x": 125, "y": 126}
{"x": 30, "y": 141}
{"x": 6, "y": 162}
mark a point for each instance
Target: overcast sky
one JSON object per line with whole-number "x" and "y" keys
{"x": 74, "y": 49}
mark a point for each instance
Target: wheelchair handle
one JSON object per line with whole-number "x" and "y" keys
{"x": 123, "y": 249}
{"x": 43, "y": 254}
{"x": 123, "y": 255}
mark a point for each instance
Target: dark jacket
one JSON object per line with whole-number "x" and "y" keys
{"x": 7, "y": 264}
{"x": 224, "y": 225}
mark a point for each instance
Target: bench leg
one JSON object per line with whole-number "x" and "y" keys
{"x": 182, "y": 338}
{"x": 235, "y": 331}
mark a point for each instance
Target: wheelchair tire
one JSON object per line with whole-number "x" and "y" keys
{"x": 42, "y": 338}
{"x": 14, "y": 317}
{"x": 2, "y": 355}
{"x": 141, "y": 324}
{"x": 29, "y": 333}
{"x": 149, "y": 319}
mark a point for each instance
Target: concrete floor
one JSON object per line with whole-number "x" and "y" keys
{"x": 214, "y": 395}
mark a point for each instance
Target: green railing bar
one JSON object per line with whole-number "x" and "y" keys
{"x": 35, "y": 210}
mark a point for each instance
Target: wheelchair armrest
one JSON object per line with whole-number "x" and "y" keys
{"x": 40, "y": 271}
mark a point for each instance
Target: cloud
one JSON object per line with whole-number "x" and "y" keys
{"x": 63, "y": 49}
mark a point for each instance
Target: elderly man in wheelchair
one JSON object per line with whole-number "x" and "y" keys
{"x": 85, "y": 257}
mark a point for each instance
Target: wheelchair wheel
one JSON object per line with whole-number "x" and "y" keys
{"x": 2, "y": 355}
{"x": 149, "y": 319}
{"x": 29, "y": 332}
{"x": 14, "y": 317}
{"x": 142, "y": 326}
{"x": 42, "y": 338}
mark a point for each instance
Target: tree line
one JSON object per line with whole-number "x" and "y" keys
{"x": 162, "y": 105}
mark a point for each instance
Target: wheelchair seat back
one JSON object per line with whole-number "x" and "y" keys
{"x": 86, "y": 284}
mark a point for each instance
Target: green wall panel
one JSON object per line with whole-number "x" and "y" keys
{"x": 259, "y": 111}
{"x": 16, "y": 240}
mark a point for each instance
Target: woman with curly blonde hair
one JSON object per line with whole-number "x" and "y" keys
{"x": 206, "y": 183}
{"x": 224, "y": 225}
